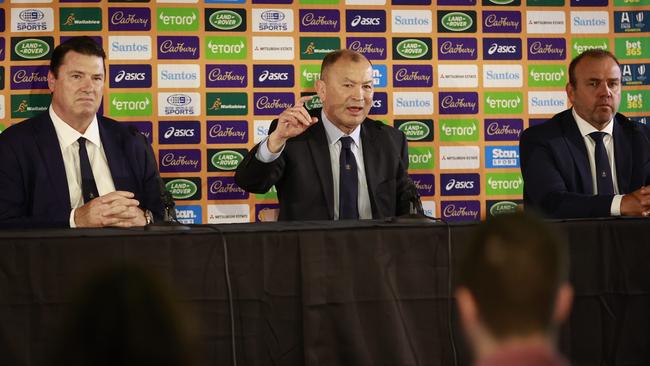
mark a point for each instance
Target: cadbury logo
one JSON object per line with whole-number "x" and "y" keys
{"x": 168, "y": 46}
{"x": 366, "y": 48}
{"x": 265, "y": 103}
{"x": 34, "y": 77}
{"x": 448, "y": 47}
{"x": 217, "y": 75}
{"x": 462, "y": 211}
{"x": 170, "y": 159}
{"x": 403, "y": 74}
{"x": 119, "y": 18}
{"x": 219, "y": 186}
{"x": 217, "y": 131}
{"x": 310, "y": 20}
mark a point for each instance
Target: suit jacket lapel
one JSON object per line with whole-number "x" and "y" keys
{"x": 622, "y": 157}
{"x": 48, "y": 145}
{"x": 317, "y": 141}
{"x": 112, "y": 145}
{"x": 576, "y": 144}
{"x": 371, "y": 150}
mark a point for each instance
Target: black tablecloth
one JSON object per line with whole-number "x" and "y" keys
{"x": 323, "y": 293}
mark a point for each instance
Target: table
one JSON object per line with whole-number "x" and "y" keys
{"x": 324, "y": 293}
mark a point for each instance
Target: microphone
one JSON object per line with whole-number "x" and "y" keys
{"x": 169, "y": 222}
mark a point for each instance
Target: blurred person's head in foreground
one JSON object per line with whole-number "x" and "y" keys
{"x": 125, "y": 316}
{"x": 513, "y": 291}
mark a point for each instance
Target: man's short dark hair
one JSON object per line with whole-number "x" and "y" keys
{"x": 332, "y": 57}
{"x": 593, "y": 53}
{"x": 513, "y": 268}
{"x": 83, "y": 45}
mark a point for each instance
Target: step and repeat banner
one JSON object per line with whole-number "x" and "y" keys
{"x": 203, "y": 79}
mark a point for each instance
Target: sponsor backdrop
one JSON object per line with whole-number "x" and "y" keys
{"x": 203, "y": 79}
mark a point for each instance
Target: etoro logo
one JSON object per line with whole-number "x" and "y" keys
{"x": 459, "y": 130}
{"x": 504, "y": 184}
{"x": 178, "y": 19}
{"x": 226, "y": 48}
{"x": 421, "y": 157}
{"x": 308, "y": 75}
{"x": 503, "y": 103}
{"x": 130, "y": 104}
{"x": 547, "y": 75}
{"x": 181, "y": 188}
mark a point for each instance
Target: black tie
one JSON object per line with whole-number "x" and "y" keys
{"x": 88, "y": 186}
{"x": 603, "y": 170}
{"x": 348, "y": 182}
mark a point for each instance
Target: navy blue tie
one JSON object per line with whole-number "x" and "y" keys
{"x": 348, "y": 182}
{"x": 603, "y": 170}
{"x": 88, "y": 186}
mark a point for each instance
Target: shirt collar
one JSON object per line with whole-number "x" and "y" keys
{"x": 68, "y": 135}
{"x": 334, "y": 134}
{"x": 586, "y": 128}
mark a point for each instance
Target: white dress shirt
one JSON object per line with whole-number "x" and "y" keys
{"x": 608, "y": 140}
{"x": 333, "y": 136}
{"x": 68, "y": 137}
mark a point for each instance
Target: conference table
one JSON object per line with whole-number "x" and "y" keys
{"x": 322, "y": 293}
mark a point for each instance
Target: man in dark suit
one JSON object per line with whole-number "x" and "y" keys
{"x": 588, "y": 161}
{"x": 69, "y": 167}
{"x": 334, "y": 163}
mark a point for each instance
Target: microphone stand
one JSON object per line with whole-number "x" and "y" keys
{"x": 169, "y": 222}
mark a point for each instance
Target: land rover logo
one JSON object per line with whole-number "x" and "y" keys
{"x": 225, "y": 20}
{"x": 181, "y": 188}
{"x": 32, "y": 48}
{"x": 457, "y": 22}
{"x": 414, "y": 130}
{"x": 503, "y": 207}
{"x": 227, "y": 159}
{"x": 412, "y": 48}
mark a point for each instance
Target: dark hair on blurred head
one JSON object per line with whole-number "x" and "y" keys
{"x": 593, "y": 53}
{"x": 345, "y": 54}
{"x": 513, "y": 268}
{"x": 124, "y": 316}
{"x": 83, "y": 45}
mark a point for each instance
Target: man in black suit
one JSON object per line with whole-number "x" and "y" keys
{"x": 588, "y": 161}
{"x": 334, "y": 163}
{"x": 70, "y": 167}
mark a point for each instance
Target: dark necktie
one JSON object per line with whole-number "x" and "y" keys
{"x": 603, "y": 170}
{"x": 348, "y": 182}
{"x": 88, "y": 186}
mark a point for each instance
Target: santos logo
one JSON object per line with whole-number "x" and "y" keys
{"x": 546, "y": 102}
{"x": 261, "y": 130}
{"x": 179, "y": 76}
{"x": 503, "y": 76}
{"x": 411, "y": 21}
{"x": 32, "y": 20}
{"x": 412, "y": 103}
{"x": 179, "y": 104}
{"x": 129, "y": 47}
{"x": 589, "y": 22}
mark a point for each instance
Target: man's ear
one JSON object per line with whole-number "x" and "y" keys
{"x": 50, "y": 80}
{"x": 563, "y": 303}
{"x": 320, "y": 89}
{"x": 467, "y": 309}
{"x": 570, "y": 92}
